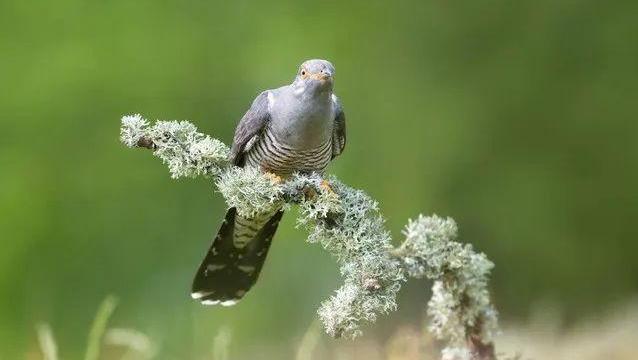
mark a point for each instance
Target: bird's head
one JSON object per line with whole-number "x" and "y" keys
{"x": 315, "y": 76}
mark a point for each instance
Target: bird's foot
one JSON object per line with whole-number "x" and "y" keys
{"x": 325, "y": 186}
{"x": 276, "y": 179}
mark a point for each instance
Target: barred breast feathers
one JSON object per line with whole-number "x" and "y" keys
{"x": 273, "y": 155}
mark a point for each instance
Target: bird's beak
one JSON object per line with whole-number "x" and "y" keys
{"x": 322, "y": 76}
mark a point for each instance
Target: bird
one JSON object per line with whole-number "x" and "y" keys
{"x": 296, "y": 128}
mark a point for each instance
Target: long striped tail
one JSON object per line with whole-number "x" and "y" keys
{"x": 233, "y": 262}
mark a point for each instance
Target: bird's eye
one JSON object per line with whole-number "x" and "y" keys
{"x": 303, "y": 72}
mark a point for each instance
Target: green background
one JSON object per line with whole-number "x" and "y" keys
{"x": 517, "y": 118}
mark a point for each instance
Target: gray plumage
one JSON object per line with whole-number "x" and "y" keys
{"x": 295, "y": 128}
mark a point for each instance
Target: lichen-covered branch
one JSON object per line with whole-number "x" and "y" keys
{"x": 460, "y": 309}
{"x": 347, "y": 223}
{"x": 186, "y": 152}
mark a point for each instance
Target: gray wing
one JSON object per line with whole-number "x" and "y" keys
{"x": 339, "y": 130}
{"x": 249, "y": 127}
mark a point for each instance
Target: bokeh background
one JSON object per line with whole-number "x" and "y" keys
{"x": 517, "y": 118}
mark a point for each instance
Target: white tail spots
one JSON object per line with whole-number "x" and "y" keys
{"x": 210, "y": 302}
{"x": 240, "y": 293}
{"x": 215, "y": 267}
{"x": 229, "y": 302}
{"x": 200, "y": 294}
{"x": 222, "y": 303}
{"x": 246, "y": 268}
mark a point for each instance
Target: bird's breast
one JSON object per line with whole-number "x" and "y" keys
{"x": 270, "y": 154}
{"x": 303, "y": 125}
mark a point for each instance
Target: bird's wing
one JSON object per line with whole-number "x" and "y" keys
{"x": 339, "y": 129}
{"x": 249, "y": 127}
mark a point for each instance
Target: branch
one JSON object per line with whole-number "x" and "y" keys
{"x": 347, "y": 223}
{"x": 186, "y": 152}
{"x": 460, "y": 307}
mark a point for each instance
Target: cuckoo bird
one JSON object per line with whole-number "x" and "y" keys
{"x": 299, "y": 127}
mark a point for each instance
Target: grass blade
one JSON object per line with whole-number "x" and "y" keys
{"x": 47, "y": 342}
{"x": 98, "y": 327}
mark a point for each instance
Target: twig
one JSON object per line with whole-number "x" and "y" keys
{"x": 347, "y": 223}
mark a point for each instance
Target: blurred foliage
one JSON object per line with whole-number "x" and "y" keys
{"x": 517, "y": 118}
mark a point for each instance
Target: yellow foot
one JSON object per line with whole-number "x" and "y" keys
{"x": 274, "y": 177}
{"x": 325, "y": 186}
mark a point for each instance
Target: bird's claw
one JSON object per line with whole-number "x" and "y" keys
{"x": 325, "y": 186}
{"x": 276, "y": 179}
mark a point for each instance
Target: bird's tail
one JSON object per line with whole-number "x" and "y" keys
{"x": 233, "y": 262}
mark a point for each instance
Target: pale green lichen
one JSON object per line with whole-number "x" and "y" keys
{"x": 347, "y": 223}
{"x": 133, "y": 129}
{"x": 186, "y": 152}
{"x": 460, "y": 299}
{"x": 354, "y": 233}
{"x": 249, "y": 191}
